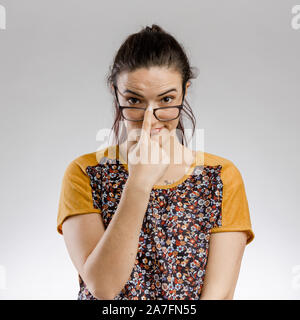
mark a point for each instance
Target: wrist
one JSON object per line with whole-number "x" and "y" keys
{"x": 138, "y": 186}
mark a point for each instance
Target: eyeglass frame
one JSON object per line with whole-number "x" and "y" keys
{"x": 180, "y": 107}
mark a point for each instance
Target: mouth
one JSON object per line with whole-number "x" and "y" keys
{"x": 156, "y": 130}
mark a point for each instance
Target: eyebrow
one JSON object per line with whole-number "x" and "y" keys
{"x": 161, "y": 94}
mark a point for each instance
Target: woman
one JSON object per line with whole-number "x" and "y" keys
{"x": 138, "y": 223}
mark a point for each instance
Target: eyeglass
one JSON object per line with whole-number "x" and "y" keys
{"x": 162, "y": 113}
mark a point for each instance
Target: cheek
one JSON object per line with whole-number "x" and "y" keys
{"x": 172, "y": 125}
{"x": 130, "y": 125}
{"x": 133, "y": 130}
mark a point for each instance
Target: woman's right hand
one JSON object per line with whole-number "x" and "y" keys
{"x": 147, "y": 160}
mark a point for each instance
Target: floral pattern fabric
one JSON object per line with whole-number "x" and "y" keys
{"x": 174, "y": 239}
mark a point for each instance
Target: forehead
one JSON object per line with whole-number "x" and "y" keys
{"x": 153, "y": 78}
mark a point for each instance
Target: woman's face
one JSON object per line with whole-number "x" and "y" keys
{"x": 156, "y": 86}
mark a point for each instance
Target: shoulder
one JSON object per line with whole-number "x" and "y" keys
{"x": 211, "y": 159}
{"x": 81, "y": 162}
{"x": 228, "y": 169}
{"x": 224, "y": 169}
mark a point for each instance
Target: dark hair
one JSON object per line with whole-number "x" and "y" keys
{"x": 151, "y": 46}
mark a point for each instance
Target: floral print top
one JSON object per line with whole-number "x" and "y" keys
{"x": 174, "y": 238}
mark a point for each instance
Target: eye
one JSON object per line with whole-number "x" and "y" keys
{"x": 168, "y": 97}
{"x": 132, "y": 98}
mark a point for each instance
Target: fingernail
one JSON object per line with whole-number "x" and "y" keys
{"x": 150, "y": 108}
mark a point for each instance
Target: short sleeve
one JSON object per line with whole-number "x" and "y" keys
{"x": 76, "y": 194}
{"x": 234, "y": 215}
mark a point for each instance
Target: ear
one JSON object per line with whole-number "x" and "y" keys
{"x": 112, "y": 88}
{"x": 187, "y": 85}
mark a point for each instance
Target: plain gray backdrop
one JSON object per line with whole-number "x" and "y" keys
{"x": 54, "y": 57}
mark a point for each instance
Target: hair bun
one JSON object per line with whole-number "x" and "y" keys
{"x": 154, "y": 28}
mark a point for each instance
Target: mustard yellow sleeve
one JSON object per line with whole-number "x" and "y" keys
{"x": 234, "y": 215}
{"x": 76, "y": 194}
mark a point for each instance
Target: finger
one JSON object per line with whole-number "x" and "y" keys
{"x": 163, "y": 138}
{"x": 166, "y": 144}
{"x": 146, "y": 127}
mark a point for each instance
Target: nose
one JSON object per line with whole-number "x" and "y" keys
{"x": 155, "y": 123}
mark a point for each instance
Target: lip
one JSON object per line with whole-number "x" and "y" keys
{"x": 156, "y": 130}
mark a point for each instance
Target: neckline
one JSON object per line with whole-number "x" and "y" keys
{"x": 196, "y": 161}
{"x": 178, "y": 182}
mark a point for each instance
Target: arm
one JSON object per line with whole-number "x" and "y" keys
{"x": 105, "y": 259}
{"x": 226, "y": 250}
